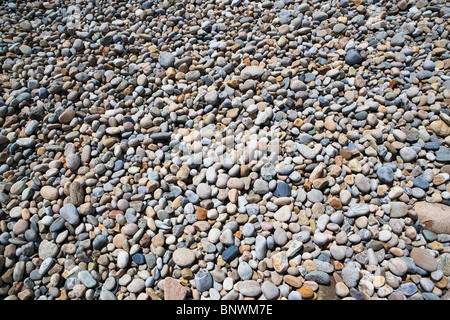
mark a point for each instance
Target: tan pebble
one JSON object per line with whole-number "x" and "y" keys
{"x": 306, "y": 292}
{"x": 342, "y": 290}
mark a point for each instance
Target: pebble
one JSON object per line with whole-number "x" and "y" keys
{"x": 250, "y": 288}
{"x": 423, "y": 259}
{"x": 183, "y": 257}
{"x": 306, "y": 158}
{"x": 270, "y": 291}
{"x": 203, "y": 280}
{"x": 70, "y": 213}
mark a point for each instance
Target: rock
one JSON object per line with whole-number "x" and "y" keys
{"x": 398, "y": 266}
{"x": 423, "y": 259}
{"x": 353, "y": 57}
{"x": 282, "y": 190}
{"x": 87, "y": 279}
{"x": 123, "y": 258}
{"x": 48, "y": 249}
{"x": 183, "y": 257}
{"x": 261, "y": 187}
{"x": 269, "y": 290}
{"x": 440, "y": 128}
{"x": 260, "y": 247}
{"x": 408, "y": 154}
{"x": 280, "y": 262}
{"x": 166, "y": 59}
{"x": 49, "y": 193}
{"x": 70, "y": 213}
{"x": 73, "y": 161}
{"x": 398, "y": 210}
{"x": 173, "y": 290}
{"x": 251, "y": 72}
{"x": 250, "y": 288}
{"x": 283, "y": 214}
{"x": 434, "y": 216}
{"x": 350, "y": 276}
{"x": 244, "y": 270}
{"x": 203, "y": 191}
{"x": 357, "y": 210}
{"x": 385, "y": 174}
{"x": 76, "y": 192}
{"x": 318, "y": 276}
{"x": 136, "y": 286}
{"x": 362, "y": 183}
{"x": 203, "y": 280}
{"x": 398, "y": 39}
{"x": 26, "y": 142}
{"x": 230, "y": 253}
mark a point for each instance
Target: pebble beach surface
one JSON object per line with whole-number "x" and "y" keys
{"x": 225, "y": 150}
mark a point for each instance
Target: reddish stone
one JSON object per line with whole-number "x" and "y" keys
{"x": 173, "y": 290}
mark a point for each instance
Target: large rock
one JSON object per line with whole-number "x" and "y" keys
{"x": 435, "y": 216}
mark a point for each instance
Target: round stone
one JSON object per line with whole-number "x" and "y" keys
{"x": 183, "y": 257}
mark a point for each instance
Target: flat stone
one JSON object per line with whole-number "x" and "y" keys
{"x": 87, "y": 279}
{"x": 251, "y": 72}
{"x": 357, "y": 210}
{"x": 173, "y": 290}
{"x": 318, "y": 276}
{"x": 398, "y": 210}
{"x": 249, "y": 288}
{"x": 423, "y": 259}
{"x": 230, "y": 253}
{"x": 398, "y": 266}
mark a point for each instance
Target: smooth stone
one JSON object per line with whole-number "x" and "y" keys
{"x": 398, "y": 266}
{"x": 230, "y": 253}
{"x": 136, "y": 285}
{"x": 434, "y": 216}
{"x": 282, "y": 190}
{"x": 70, "y": 213}
{"x": 166, "y": 59}
{"x": 357, "y": 210}
{"x": 87, "y": 279}
{"x": 353, "y": 57}
{"x": 123, "y": 258}
{"x": 270, "y": 291}
{"x": 350, "y": 276}
{"x": 385, "y": 174}
{"x": 283, "y": 214}
{"x": 318, "y": 276}
{"x": 423, "y": 259}
{"x": 183, "y": 257}
{"x": 408, "y": 154}
{"x": 398, "y": 209}
{"x": 260, "y": 247}
{"x": 249, "y": 288}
